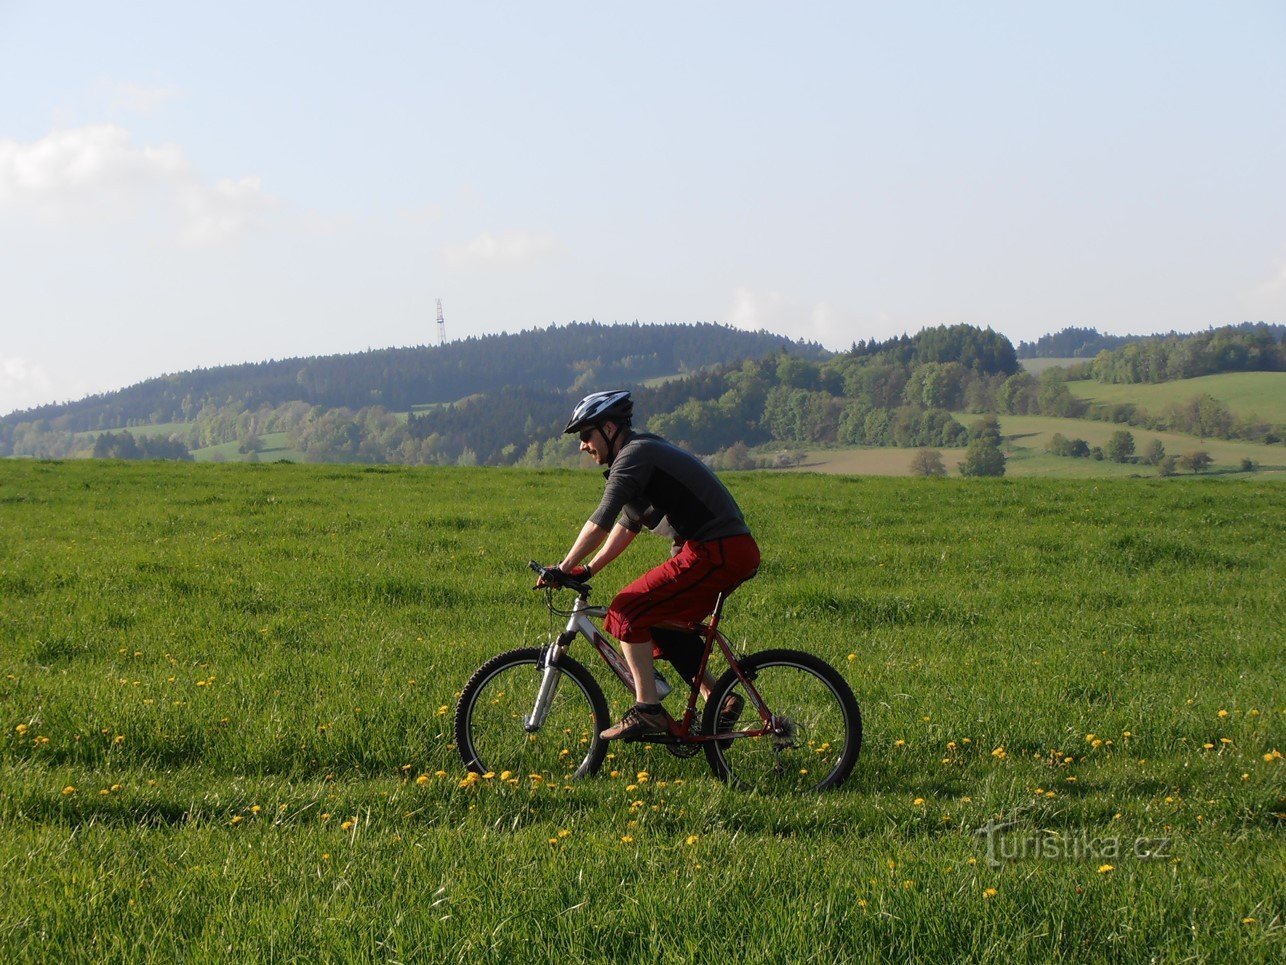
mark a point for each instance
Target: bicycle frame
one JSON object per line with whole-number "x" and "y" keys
{"x": 580, "y": 622}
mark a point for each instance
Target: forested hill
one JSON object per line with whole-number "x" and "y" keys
{"x": 1086, "y": 343}
{"x": 559, "y": 358}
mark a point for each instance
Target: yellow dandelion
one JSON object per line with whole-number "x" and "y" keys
{"x": 862, "y": 903}
{"x": 627, "y": 839}
{"x": 236, "y": 819}
{"x": 1248, "y": 921}
{"x": 255, "y": 809}
{"x": 69, "y": 789}
{"x": 564, "y": 833}
{"x": 691, "y": 840}
{"x": 918, "y": 802}
{"x": 349, "y": 824}
{"x": 989, "y": 893}
{"x": 1106, "y": 868}
{"x": 852, "y": 657}
{"x": 21, "y": 729}
{"x": 422, "y": 780}
{"x": 1223, "y": 713}
{"x": 439, "y": 773}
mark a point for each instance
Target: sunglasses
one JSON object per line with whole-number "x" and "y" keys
{"x": 585, "y": 434}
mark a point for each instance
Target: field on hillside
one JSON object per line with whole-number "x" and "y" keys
{"x": 226, "y": 694}
{"x": 1261, "y": 394}
{"x": 1027, "y": 437}
{"x": 1038, "y": 365}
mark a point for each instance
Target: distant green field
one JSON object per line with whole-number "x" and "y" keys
{"x": 276, "y": 446}
{"x": 1027, "y": 437}
{"x": 1036, "y": 366}
{"x": 226, "y": 693}
{"x": 1261, "y": 394}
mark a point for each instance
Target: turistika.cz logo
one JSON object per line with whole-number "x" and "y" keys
{"x": 1078, "y": 845}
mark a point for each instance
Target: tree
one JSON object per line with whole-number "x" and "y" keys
{"x": 1197, "y": 461}
{"x": 927, "y": 462}
{"x": 987, "y": 429}
{"x": 1154, "y": 453}
{"x": 983, "y": 458}
{"x": 1121, "y": 446}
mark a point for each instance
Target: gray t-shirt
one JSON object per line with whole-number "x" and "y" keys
{"x": 673, "y": 493}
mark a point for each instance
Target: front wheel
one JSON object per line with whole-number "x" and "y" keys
{"x": 497, "y": 702}
{"x": 812, "y": 739}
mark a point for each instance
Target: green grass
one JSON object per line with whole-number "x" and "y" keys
{"x": 230, "y": 663}
{"x": 1027, "y": 438}
{"x": 1258, "y": 394}
{"x": 276, "y": 446}
{"x": 1039, "y": 365}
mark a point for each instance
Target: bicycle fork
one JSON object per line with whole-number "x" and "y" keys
{"x": 548, "y": 681}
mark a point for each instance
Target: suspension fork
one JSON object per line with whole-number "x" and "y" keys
{"x": 549, "y": 675}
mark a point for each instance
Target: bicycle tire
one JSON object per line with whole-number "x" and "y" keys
{"x": 499, "y": 697}
{"x": 820, "y": 718}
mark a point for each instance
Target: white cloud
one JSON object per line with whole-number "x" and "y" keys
{"x": 23, "y": 384}
{"x": 96, "y": 173}
{"x": 509, "y": 249}
{"x": 816, "y": 321}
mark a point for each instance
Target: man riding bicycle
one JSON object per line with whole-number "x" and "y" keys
{"x": 654, "y": 484}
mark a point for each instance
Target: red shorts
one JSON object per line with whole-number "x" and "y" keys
{"x": 682, "y": 591}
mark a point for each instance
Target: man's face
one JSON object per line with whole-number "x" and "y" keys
{"x": 594, "y": 442}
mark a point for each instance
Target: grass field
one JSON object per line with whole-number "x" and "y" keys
{"x": 1039, "y": 365}
{"x": 1258, "y": 394}
{"x": 1027, "y": 437}
{"x": 226, "y": 697}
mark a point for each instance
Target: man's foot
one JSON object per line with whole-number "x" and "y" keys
{"x": 638, "y": 720}
{"x": 730, "y": 712}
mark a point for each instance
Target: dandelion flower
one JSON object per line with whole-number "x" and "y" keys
{"x": 236, "y": 819}
{"x": 918, "y": 802}
{"x": 989, "y": 893}
{"x": 627, "y": 839}
{"x": 69, "y": 789}
{"x": 1106, "y": 868}
{"x": 691, "y": 840}
{"x": 422, "y": 780}
{"x": 21, "y": 729}
{"x": 1223, "y": 713}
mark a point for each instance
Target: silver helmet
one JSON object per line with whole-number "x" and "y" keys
{"x": 600, "y": 407}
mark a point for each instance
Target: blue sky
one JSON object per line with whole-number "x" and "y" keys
{"x": 186, "y": 185}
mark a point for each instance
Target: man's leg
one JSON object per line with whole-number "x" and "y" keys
{"x": 639, "y": 658}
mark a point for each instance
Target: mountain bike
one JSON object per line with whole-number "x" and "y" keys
{"x": 538, "y": 711}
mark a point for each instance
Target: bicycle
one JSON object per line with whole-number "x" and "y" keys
{"x": 536, "y": 710}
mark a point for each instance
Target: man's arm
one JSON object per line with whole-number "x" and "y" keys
{"x": 620, "y": 537}
{"x": 591, "y": 537}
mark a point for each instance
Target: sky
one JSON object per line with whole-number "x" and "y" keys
{"x": 186, "y": 185}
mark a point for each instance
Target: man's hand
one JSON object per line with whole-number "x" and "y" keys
{"x": 552, "y": 574}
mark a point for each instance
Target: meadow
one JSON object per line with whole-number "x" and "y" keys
{"x": 1258, "y": 394}
{"x": 226, "y": 696}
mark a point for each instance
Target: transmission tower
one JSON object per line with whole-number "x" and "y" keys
{"x": 442, "y": 325}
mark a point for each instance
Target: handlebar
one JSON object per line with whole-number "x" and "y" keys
{"x": 555, "y": 576}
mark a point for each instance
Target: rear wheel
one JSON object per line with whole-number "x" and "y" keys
{"x": 491, "y": 717}
{"x": 815, "y": 733}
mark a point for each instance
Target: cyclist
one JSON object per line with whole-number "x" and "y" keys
{"x": 654, "y": 484}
